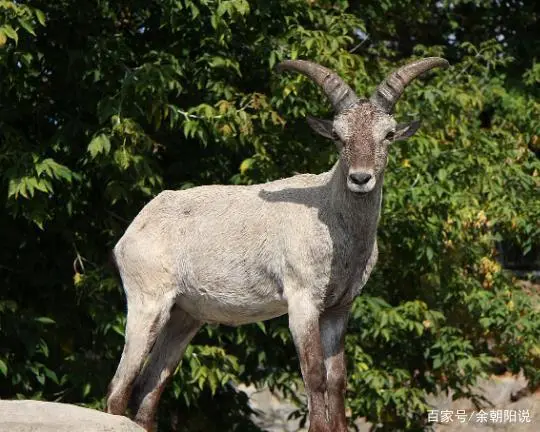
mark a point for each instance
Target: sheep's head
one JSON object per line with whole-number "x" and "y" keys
{"x": 362, "y": 128}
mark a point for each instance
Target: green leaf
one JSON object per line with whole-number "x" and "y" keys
{"x": 51, "y": 375}
{"x": 99, "y": 144}
{"x": 45, "y": 320}
{"x": 3, "y": 368}
{"x": 246, "y": 165}
{"x": 10, "y": 32}
{"x": 40, "y": 16}
{"x": 213, "y": 382}
{"x": 261, "y": 326}
{"x": 118, "y": 329}
{"x": 27, "y": 26}
{"x": 429, "y": 253}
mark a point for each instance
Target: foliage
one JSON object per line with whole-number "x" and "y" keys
{"x": 103, "y": 104}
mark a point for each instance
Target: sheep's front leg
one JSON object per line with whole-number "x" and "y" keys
{"x": 333, "y": 325}
{"x": 304, "y": 325}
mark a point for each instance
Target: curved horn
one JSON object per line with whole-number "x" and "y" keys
{"x": 389, "y": 91}
{"x": 338, "y": 92}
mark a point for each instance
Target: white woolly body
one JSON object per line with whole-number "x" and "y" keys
{"x": 235, "y": 254}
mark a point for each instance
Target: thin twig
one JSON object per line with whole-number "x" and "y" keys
{"x": 359, "y": 45}
{"x": 194, "y": 116}
{"x": 415, "y": 181}
{"x": 120, "y": 218}
{"x": 78, "y": 260}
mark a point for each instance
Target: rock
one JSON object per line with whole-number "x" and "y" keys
{"x": 506, "y": 415}
{"x": 272, "y": 410}
{"x": 36, "y": 416}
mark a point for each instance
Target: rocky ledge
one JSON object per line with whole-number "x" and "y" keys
{"x": 36, "y": 416}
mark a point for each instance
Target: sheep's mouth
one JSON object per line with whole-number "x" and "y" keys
{"x": 361, "y": 189}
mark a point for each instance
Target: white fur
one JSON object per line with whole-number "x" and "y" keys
{"x": 304, "y": 245}
{"x": 232, "y": 254}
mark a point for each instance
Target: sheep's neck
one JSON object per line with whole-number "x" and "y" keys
{"x": 357, "y": 213}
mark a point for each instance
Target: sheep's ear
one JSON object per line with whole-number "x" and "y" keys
{"x": 322, "y": 127}
{"x": 406, "y": 130}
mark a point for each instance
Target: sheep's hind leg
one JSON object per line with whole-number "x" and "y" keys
{"x": 164, "y": 358}
{"x": 145, "y": 319}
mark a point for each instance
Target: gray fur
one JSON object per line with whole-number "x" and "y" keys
{"x": 304, "y": 245}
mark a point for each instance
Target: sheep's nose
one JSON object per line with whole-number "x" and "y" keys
{"x": 360, "y": 178}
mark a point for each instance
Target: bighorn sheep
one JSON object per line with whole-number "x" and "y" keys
{"x": 303, "y": 245}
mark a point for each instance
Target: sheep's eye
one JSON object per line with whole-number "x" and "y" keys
{"x": 390, "y": 136}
